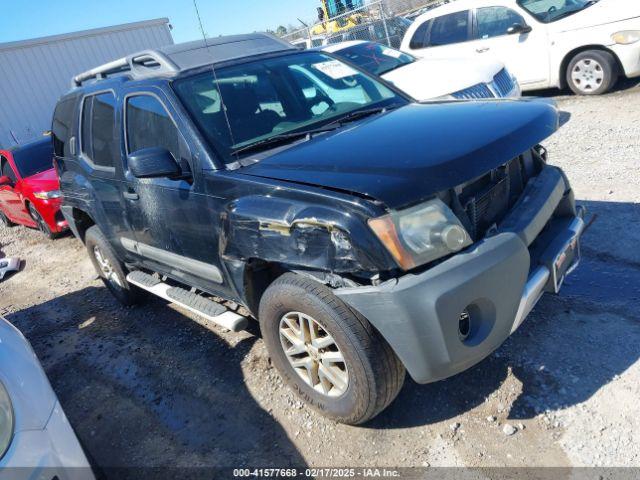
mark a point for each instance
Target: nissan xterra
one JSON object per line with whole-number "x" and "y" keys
{"x": 367, "y": 233}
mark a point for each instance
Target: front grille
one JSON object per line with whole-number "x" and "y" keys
{"x": 503, "y": 83}
{"x": 487, "y": 200}
{"x": 475, "y": 92}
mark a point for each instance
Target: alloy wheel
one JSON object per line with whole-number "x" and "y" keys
{"x": 106, "y": 268}
{"x": 38, "y": 219}
{"x": 314, "y": 354}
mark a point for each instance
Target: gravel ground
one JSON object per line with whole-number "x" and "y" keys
{"x": 148, "y": 387}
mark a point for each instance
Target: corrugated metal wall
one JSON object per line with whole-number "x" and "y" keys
{"x": 34, "y": 73}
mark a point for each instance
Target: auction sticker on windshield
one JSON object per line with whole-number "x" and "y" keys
{"x": 335, "y": 69}
{"x": 392, "y": 53}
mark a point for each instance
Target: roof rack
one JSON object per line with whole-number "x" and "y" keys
{"x": 145, "y": 64}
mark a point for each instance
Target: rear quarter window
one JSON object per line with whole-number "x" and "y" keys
{"x": 419, "y": 39}
{"x": 98, "y": 130}
{"x": 62, "y": 126}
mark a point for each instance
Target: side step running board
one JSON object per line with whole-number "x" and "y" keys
{"x": 204, "y": 307}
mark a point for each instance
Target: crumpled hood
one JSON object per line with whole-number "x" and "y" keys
{"x": 602, "y": 13}
{"x": 427, "y": 79}
{"x": 409, "y": 154}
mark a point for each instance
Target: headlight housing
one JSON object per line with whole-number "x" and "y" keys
{"x": 6, "y": 420}
{"x": 48, "y": 195}
{"x": 626, "y": 37}
{"x": 421, "y": 234}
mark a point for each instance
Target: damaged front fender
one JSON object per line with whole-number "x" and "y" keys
{"x": 295, "y": 233}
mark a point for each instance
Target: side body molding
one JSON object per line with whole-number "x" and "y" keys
{"x": 188, "y": 265}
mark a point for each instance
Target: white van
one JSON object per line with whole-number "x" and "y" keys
{"x": 585, "y": 44}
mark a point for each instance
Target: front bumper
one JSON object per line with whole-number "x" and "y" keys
{"x": 629, "y": 56}
{"x": 53, "y": 452}
{"x": 44, "y": 445}
{"x": 497, "y": 282}
{"x": 51, "y": 213}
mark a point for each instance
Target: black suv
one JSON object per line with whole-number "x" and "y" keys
{"x": 367, "y": 233}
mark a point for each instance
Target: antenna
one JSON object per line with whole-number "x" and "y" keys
{"x": 215, "y": 76}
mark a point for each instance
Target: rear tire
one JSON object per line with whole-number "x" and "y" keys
{"x": 349, "y": 372}
{"x": 42, "y": 225}
{"x": 4, "y": 220}
{"x": 111, "y": 270}
{"x": 593, "y": 72}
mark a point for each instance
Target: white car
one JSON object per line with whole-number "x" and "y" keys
{"x": 585, "y": 44}
{"x": 36, "y": 440}
{"x": 307, "y": 43}
{"x": 424, "y": 80}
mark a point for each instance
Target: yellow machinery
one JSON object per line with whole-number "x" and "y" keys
{"x": 334, "y": 16}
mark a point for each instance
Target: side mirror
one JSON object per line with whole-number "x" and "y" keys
{"x": 153, "y": 163}
{"x": 518, "y": 28}
{"x": 4, "y": 180}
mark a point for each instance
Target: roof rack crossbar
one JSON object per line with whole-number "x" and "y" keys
{"x": 140, "y": 65}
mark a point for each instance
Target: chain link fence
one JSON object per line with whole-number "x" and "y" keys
{"x": 382, "y": 21}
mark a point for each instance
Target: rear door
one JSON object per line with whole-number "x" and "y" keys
{"x": 173, "y": 225}
{"x": 100, "y": 162}
{"x": 10, "y": 201}
{"x": 526, "y": 55}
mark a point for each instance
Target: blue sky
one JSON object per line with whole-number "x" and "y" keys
{"x": 37, "y": 18}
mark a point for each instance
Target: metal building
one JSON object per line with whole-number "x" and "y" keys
{"x": 34, "y": 73}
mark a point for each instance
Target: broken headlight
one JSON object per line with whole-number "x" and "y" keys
{"x": 6, "y": 420}
{"x": 421, "y": 234}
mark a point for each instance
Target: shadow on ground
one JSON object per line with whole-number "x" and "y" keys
{"x": 569, "y": 348}
{"x": 623, "y": 85}
{"x": 149, "y": 387}
{"x": 146, "y": 386}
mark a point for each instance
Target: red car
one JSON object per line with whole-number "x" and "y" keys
{"x": 29, "y": 188}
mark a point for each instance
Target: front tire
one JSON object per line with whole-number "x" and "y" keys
{"x": 41, "y": 224}
{"x": 328, "y": 354}
{"x": 593, "y": 72}
{"x": 111, "y": 270}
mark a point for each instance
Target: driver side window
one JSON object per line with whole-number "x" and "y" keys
{"x": 495, "y": 21}
{"x": 7, "y": 171}
{"x": 149, "y": 125}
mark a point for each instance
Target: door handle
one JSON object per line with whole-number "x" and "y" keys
{"x": 131, "y": 195}
{"x": 483, "y": 49}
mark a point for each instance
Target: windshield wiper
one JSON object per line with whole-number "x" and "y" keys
{"x": 288, "y": 137}
{"x": 357, "y": 115}
{"x": 282, "y": 139}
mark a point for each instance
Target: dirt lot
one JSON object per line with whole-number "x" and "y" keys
{"x": 149, "y": 387}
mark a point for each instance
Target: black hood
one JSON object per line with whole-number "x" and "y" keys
{"x": 411, "y": 153}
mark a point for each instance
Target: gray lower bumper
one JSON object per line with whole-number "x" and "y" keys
{"x": 498, "y": 282}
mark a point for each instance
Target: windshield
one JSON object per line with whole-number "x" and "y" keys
{"x": 548, "y": 11}
{"x": 375, "y": 58}
{"x": 242, "y": 105}
{"x": 33, "y": 159}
